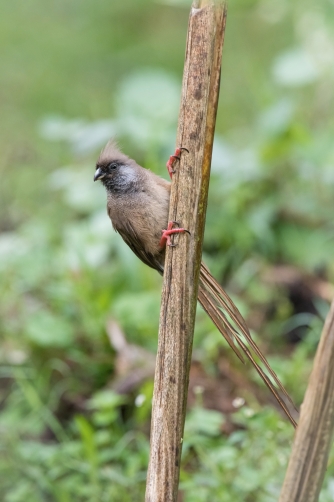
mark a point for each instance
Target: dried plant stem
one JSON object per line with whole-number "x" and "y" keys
{"x": 314, "y": 433}
{"x": 197, "y": 118}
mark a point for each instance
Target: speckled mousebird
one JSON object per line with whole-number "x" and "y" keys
{"x": 138, "y": 206}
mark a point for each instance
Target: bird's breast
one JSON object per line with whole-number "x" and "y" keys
{"x": 141, "y": 218}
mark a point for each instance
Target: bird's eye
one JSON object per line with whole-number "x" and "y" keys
{"x": 112, "y": 165}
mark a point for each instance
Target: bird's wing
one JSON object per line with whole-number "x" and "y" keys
{"x": 131, "y": 238}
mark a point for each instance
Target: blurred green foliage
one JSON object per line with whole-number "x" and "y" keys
{"x": 73, "y": 73}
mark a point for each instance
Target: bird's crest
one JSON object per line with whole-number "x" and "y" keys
{"x": 111, "y": 152}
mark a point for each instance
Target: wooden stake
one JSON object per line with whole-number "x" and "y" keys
{"x": 189, "y": 193}
{"x": 314, "y": 433}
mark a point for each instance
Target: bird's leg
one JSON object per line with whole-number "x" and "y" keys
{"x": 165, "y": 238}
{"x": 173, "y": 158}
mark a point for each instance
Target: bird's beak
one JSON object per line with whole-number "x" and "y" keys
{"x": 98, "y": 174}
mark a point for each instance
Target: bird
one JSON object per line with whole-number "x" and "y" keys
{"x": 138, "y": 207}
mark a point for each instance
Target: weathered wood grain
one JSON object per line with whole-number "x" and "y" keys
{"x": 314, "y": 433}
{"x": 197, "y": 118}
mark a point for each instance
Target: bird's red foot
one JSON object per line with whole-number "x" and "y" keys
{"x": 165, "y": 238}
{"x": 173, "y": 158}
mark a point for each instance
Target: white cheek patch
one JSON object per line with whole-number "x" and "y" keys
{"x": 129, "y": 173}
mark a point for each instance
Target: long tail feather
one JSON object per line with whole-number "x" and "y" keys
{"x": 217, "y": 304}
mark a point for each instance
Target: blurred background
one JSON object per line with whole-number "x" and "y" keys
{"x": 79, "y": 312}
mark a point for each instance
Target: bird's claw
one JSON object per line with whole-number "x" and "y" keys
{"x": 166, "y": 234}
{"x": 172, "y": 159}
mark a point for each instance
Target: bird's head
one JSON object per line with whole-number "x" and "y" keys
{"x": 116, "y": 171}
